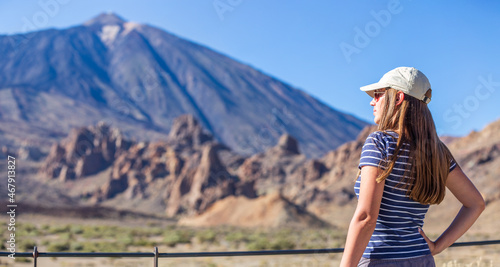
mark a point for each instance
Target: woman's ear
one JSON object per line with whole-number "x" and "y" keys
{"x": 400, "y": 96}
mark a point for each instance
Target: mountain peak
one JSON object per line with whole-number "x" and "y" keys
{"x": 106, "y": 19}
{"x": 145, "y": 77}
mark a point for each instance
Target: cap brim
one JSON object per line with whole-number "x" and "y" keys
{"x": 369, "y": 89}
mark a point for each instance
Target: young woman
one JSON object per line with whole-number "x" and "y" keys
{"x": 404, "y": 168}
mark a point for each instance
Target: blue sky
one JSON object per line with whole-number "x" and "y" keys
{"x": 326, "y": 48}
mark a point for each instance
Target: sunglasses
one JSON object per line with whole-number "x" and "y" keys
{"x": 378, "y": 94}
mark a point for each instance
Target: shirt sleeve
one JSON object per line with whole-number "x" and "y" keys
{"x": 373, "y": 152}
{"x": 453, "y": 164}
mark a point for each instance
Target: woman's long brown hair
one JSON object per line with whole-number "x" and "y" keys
{"x": 430, "y": 158}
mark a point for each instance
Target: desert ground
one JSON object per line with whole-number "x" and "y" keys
{"x": 137, "y": 234}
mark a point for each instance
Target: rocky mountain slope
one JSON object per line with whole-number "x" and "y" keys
{"x": 185, "y": 174}
{"x": 192, "y": 176}
{"x": 181, "y": 175}
{"x": 479, "y": 156}
{"x": 139, "y": 78}
{"x": 189, "y": 171}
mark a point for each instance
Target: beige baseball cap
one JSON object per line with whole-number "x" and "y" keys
{"x": 408, "y": 80}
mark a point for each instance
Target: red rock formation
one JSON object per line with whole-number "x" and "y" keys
{"x": 84, "y": 152}
{"x": 270, "y": 171}
{"x": 187, "y": 132}
{"x": 203, "y": 181}
{"x": 184, "y": 173}
{"x": 190, "y": 172}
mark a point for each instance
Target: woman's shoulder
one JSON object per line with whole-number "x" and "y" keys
{"x": 382, "y": 139}
{"x": 383, "y": 135}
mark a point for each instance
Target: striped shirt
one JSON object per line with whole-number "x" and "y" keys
{"x": 396, "y": 233}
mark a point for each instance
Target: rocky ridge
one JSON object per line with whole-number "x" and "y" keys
{"x": 191, "y": 174}
{"x": 86, "y": 151}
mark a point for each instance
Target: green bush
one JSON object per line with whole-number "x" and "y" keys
{"x": 208, "y": 236}
{"x": 112, "y": 247}
{"x": 65, "y": 236}
{"x": 110, "y": 231}
{"x": 28, "y": 226}
{"x": 282, "y": 243}
{"x": 146, "y": 232}
{"x": 57, "y": 229}
{"x": 138, "y": 232}
{"x": 312, "y": 246}
{"x": 175, "y": 237}
{"x": 155, "y": 231}
{"x": 260, "y": 243}
{"x": 27, "y": 229}
{"x": 45, "y": 229}
{"x": 126, "y": 239}
{"x": 152, "y": 224}
{"x": 237, "y": 236}
{"x": 102, "y": 231}
{"x": 76, "y": 246}
{"x": 90, "y": 247}
{"x": 143, "y": 242}
{"x": 103, "y": 247}
{"x": 27, "y": 245}
{"x": 59, "y": 246}
{"x": 23, "y": 260}
{"x": 285, "y": 232}
{"x": 76, "y": 229}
